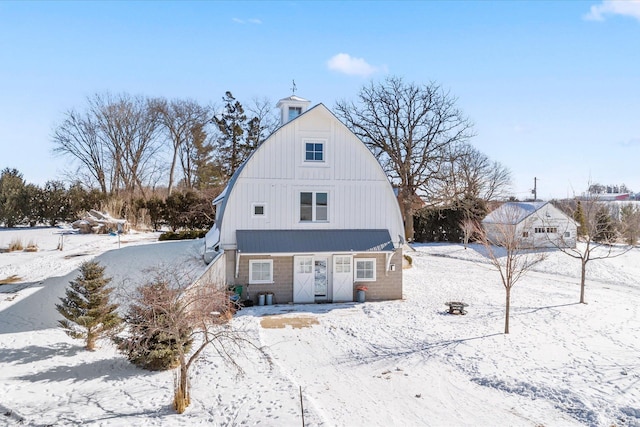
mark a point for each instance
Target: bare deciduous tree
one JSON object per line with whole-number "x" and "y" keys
{"x": 264, "y": 121}
{"x": 473, "y": 175}
{"x": 180, "y": 118}
{"x": 194, "y": 316}
{"x": 115, "y": 140}
{"x": 78, "y": 138}
{"x": 596, "y": 236}
{"x": 128, "y": 127}
{"x": 468, "y": 227}
{"x": 507, "y": 251}
{"x": 411, "y": 129}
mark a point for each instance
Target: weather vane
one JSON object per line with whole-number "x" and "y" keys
{"x": 293, "y": 88}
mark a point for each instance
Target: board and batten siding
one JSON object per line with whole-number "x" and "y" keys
{"x": 360, "y": 195}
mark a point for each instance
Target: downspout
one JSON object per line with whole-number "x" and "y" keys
{"x": 237, "y": 263}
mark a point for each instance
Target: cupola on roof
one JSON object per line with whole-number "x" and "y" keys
{"x": 291, "y": 107}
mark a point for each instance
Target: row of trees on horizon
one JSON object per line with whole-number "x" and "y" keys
{"x": 139, "y": 150}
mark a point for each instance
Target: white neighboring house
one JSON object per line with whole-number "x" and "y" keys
{"x": 309, "y": 217}
{"x": 538, "y": 224}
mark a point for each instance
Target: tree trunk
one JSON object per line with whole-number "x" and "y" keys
{"x": 181, "y": 395}
{"x": 407, "y": 213}
{"x": 583, "y": 274}
{"x": 172, "y": 171}
{"x": 506, "y": 310}
{"x": 91, "y": 341}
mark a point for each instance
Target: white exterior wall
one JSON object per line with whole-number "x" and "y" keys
{"x": 550, "y": 216}
{"x": 360, "y": 195}
{"x": 547, "y": 216}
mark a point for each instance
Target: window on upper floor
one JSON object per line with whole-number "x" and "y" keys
{"x": 314, "y": 206}
{"x": 258, "y": 210}
{"x": 314, "y": 151}
{"x": 294, "y": 112}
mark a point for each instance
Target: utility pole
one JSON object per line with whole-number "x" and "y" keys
{"x": 535, "y": 189}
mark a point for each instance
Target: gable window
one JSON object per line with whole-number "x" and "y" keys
{"x": 260, "y": 271}
{"x": 294, "y": 112}
{"x": 314, "y": 206}
{"x": 314, "y": 152}
{"x": 365, "y": 269}
{"x": 525, "y": 234}
{"x": 258, "y": 209}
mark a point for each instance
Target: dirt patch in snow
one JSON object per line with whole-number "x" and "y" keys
{"x": 296, "y": 322}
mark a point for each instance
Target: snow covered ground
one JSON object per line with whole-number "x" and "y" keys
{"x": 405, "y": 363}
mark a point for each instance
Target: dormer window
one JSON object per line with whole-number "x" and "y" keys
{"x": 294, "y": 112}
{"x": 314, "y": 151}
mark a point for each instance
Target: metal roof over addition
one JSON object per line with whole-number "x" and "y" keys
{"x": 313, "y": 241}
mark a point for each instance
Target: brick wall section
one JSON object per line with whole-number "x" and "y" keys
{"x": 388, "y": 284}
{"x": 282, "y": 286}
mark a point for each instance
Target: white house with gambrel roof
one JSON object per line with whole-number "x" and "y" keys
{"x": 537, "y": 224}
{"x": 309, "y": 216}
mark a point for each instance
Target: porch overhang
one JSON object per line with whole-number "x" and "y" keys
{"x": 313, "y": 241}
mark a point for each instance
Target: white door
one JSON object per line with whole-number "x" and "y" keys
{"x": 320, "y": 278}
{"x": 342, "y": 278}
{"x": 303, "y": 280}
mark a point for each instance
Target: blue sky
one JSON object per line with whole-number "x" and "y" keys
{"x": 553, "y": 87}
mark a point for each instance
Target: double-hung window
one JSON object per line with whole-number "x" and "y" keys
{"x": 314, "y": 206}
{"x": 260, "y": 271}
{"x": 365, "y": 269}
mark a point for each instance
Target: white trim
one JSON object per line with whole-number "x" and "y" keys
{"x": 355, "y": 270}
{"x": 317, "y": 163}
{"x": 314, "y": 207}
{"x": 252, "y": 262}
{"x": 288, "y": 254}
{"x": 253, "y": 210}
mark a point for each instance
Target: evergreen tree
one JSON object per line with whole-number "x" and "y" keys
{"x": 581, "y": 219}
{"x": 34, "y": 204}
{"x": 56, "y": 206}
{"x": 239, "y": 135}
{"x": 82, "y": 200}
{"x": 152, "y": 342}
{"x": 605, "y": 229}
{"x": 205, "y": 173}
{"x": 12, "y": 197}
{"x": 231, "y": 143}
{"x": 88, "y": 313}
{"x": 630, "y": 223}
{"x": 155, "y": 206}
